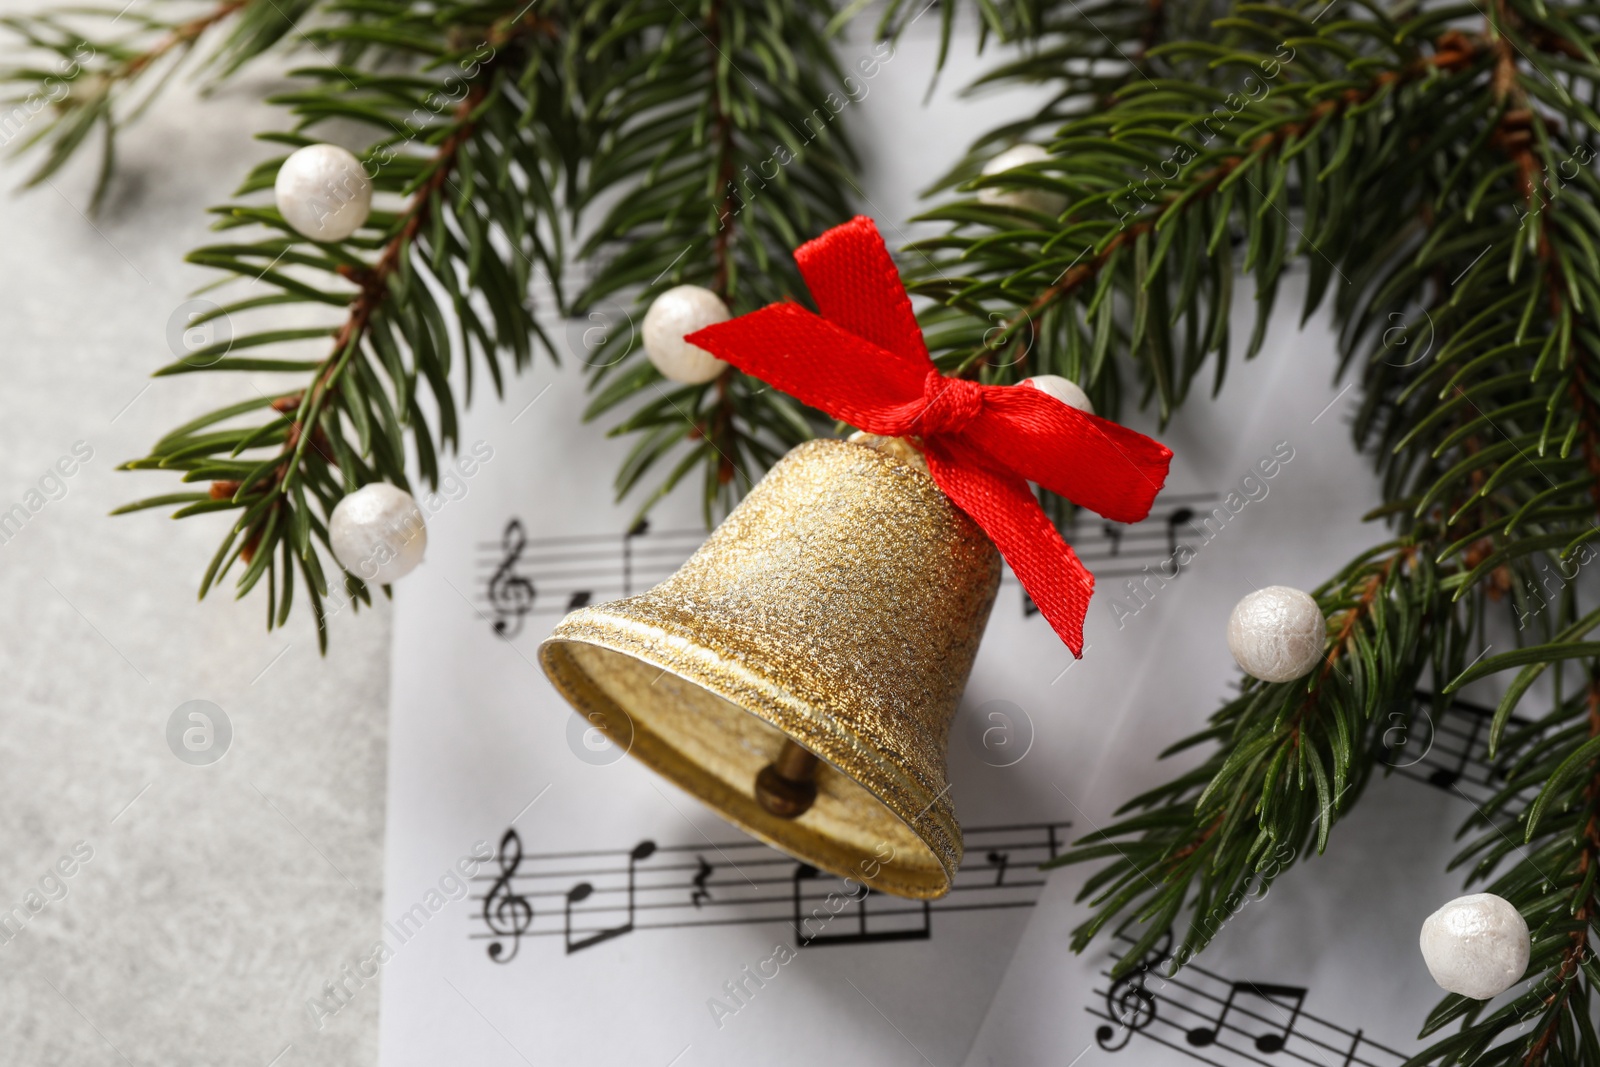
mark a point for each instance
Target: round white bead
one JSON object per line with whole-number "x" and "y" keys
{"x": 1040, "y": 200}
{"x": 377, "y": 533}
{"x": 1476, "y": 946}
{"x": 1277, "y": 633}
{"x": 681, "y": 310}
{"x": 1063, "y": 389}
{"x": 324, "y": 192}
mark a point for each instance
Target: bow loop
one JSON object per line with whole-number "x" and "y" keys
{"x": 864, "y": 361}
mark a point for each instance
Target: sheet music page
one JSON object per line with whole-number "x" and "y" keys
{"x": 1324, "y": 969}
{"x": 608, "y": 916}
{"x": 548, "y": 900}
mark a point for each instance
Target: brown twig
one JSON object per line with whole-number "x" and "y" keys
{"x": 373, "y": 282}
{"x": 183, "y": 35}
{"x": 1452, "y": 51}
{"x": 1578, "y": 950}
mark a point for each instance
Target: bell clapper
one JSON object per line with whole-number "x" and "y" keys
{"x": 785, "y": 787}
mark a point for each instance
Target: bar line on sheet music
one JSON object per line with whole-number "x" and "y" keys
{"x": 701, "y": 832}
{"x": 595, "y": 905}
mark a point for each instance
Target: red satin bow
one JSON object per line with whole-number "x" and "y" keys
{"x": 864, "y": 362}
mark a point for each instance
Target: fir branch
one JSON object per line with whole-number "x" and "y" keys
{"x": 1475, "y": 222}
{"x": 99, "y": 72}
{"x": 469, "y": 142}
{"x": 719, "y": 145}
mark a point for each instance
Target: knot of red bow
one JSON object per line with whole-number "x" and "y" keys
{"x": 864, "y": 362}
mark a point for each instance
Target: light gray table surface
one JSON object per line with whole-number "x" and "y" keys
{"x": 218, "y": 898}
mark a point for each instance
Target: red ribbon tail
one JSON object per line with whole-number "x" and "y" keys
{"x": 1000, "y": 502}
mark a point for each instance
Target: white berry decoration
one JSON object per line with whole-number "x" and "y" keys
{"x": 324, "y": 192}
{"x": 1276, "y": 634}
{"x": 683, "y": 309}
{"x": 1040, "y": 200}
{"x": 1476, "y": 946}
{"x": 377, "y": 533}
{"x": 1063, "y": 389}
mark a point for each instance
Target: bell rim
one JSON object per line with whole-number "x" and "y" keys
{"x": 755, "y": 696}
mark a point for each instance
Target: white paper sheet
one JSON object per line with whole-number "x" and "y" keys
{"x": 1324, "y": 970}
{"x": 480, "y": 745}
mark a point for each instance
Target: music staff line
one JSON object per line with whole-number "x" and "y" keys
{"x": 1447, "y": 766}
{"x": 522, "y": 576}
{"x": 746, "y": 901}
{"x": 605, "y": 900}
{"x": 761, "y": 920}
{"x": 750, "y": 844}
{"x": 772, "y": 861}
{"x": 1132, "y": 1008}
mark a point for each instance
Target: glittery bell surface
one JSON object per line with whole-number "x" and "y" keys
{"x": 840, "y": 605}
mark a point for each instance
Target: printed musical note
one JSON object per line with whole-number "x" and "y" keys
{"x": 510, "y": 593}
{"x": 584, "y": 890}
{"x": 1129, "y": 1002}
{"x": 584, "y": 898}
{"x": 999, "y": 860}
{"x": 1159, "y": 1007}
{"x": 816, "y": 925}
{"x": 1206, "y": 1035}
{"x": 571, "y": 572}
{"x": 1445, "y": 777}
{"x": 1444, "y": 746}
{"x": 507, "y": 913}
{"x": 701, "y": 893}
{"x": 1177, "y": 518}
{"x": 1114, "y": 533}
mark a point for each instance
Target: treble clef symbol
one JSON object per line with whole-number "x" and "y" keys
{"x": 511, "y": 594}
{"x": 1129, "y": 1003}
{"x": 505, "y": 912}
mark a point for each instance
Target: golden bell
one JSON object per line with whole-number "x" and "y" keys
{"x": 800, "y": 671}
